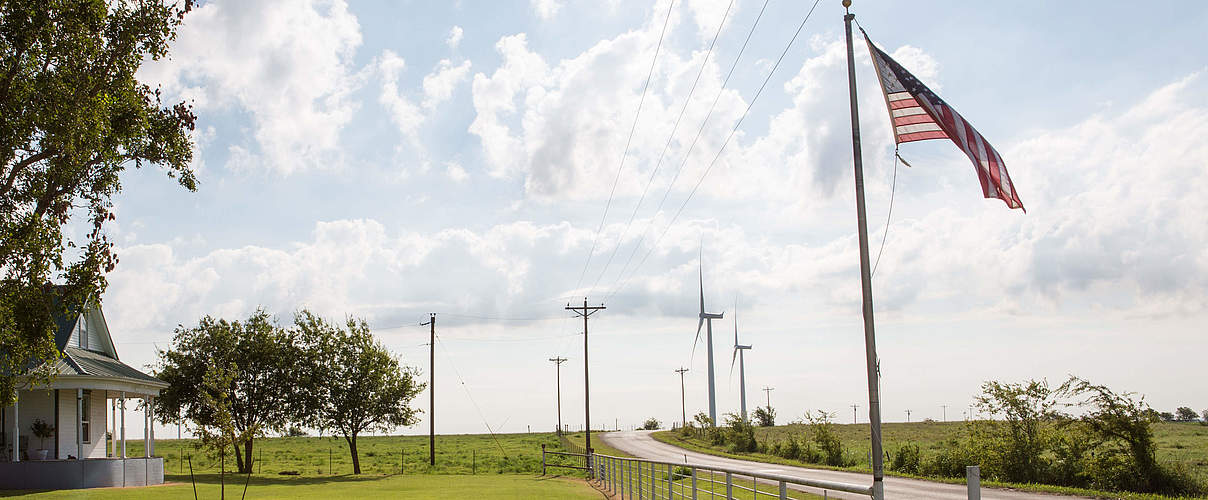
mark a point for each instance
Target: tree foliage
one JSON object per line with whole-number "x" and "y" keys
{"x": 73, "y": 117}
{"x": 1026, "y": 409}
{"x": 651, "y": 424}
{"x": 1185, "y": 414}
{"x": 236, "y": 380}
{"x": 356, "y": 385}
{"x": 765, "y": 416}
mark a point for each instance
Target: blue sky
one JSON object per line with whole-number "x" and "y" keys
{"x": 388, "y": 159}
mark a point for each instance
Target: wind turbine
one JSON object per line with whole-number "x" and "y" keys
{"x": 742, "y": 372}
{"x": 707, "y": 319}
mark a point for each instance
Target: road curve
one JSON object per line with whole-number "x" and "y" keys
{"x": 641, "y": 444}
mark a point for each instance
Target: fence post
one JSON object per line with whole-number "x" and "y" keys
{"x": 784, "y": 490}
{"x": 651, "y": 480}
{"x": 542, "y": 459}
{"x": 693, "y": 472}
{"x": 670, "y": 481}
{"x": 474, "y": 462}
{"x": 730, "y": 485}
{"x": 973, "y": 479}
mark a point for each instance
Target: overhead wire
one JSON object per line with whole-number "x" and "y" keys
{"x": 691, "y": 146}
{"x": 724, "y": 143}
{"x": 466, "y": 388}
{"x": 595, "y": 239}
{"x": 704, "y": 63}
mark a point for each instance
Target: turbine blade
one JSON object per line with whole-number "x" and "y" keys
{"x": 702, "y": 288}
{"x": 697, "y": 341}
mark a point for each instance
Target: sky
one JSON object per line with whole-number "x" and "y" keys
{"x": 481, "y": 160}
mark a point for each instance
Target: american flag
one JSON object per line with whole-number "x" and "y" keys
{"x": 918, "y": 115}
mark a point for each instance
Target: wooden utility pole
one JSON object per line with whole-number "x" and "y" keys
{"x": 683, "y": 408}
{"x": 558, "y": 363}
{"x": 908, "y": 416}
{"x": 586, "y": 311}
{"x": 431, "y": 388}
{"x": 854, "y": 420}
{"x": 768, "y": 391}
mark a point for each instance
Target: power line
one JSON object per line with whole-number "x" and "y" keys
{"x": 595, "y": 239}
{"x": 691, "y": 146}
{"x": 727, "y": 141}
{"x": 704, "y": 63}
{"x": 466, "y": 388}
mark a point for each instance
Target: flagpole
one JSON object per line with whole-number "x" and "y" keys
{"x": 870, "y": 343}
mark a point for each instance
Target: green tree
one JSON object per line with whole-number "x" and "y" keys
{"x": 1123, "y": 437}
{"x": 765, "y": 416}
{"x": 1020, "y": 443}
{"x": 1185, "y": 414}
{"x": 73, "y": 117}
{"x": 356, "y": 384}
{"x": 240, "y": 378}
{"x": 651, "y": 424}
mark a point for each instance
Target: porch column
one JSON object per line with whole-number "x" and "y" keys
{"x": 123, "y": 425}
{"x": 146, "y": 427}
{"x": 16, "y": 429}
{"x": 79, "y": 424}
{"x": 113, "y": 430}
{"x": 151, "y": 425}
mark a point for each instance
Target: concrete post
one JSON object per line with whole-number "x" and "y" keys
{"x": 113, "y": 431}
{"x": 973, "y": 479}
{"x": 151, "y": 427}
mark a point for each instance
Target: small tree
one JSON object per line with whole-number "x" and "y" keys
{"x": 42, "y": 431}
{"x": 1121, "y": 426}
{"x": 1204, "y": 420}
{"x": 1166, "y": 416}
{"x": 258, "y": 382}
{"x": 1026, "y": 408}
{"x": 651, "y": 424}
{"x": 765, "y": 416}
{"x": 1185, "y": 414}
{"x": 355, "y": 383}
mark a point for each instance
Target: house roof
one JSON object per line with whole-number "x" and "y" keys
{"x": 76, "y": 361}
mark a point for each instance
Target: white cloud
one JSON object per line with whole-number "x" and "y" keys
{"x": 454, "y": 38}
{"x": 456, "y": 172}
{"x": 439, "y": 85}
{"x": 404, "y": 113}
{"x": 287, "y": 63}
{"x": 546, "y": 9}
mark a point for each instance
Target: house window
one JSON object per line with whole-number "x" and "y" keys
{"x": 85, "y": 418}
{"x": 82, "y": 332}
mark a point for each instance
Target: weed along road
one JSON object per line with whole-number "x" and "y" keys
{"x": 640, "y": 444}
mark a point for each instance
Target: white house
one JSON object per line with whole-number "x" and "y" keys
{"x": 90, "y": 380}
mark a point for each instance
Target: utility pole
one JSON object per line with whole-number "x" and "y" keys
{"x": 768, "y": 391}
{"x": 945, "y": 410}
{"x": 854, "y": 420}
{"x": 908, "y": 416}
{"x": 558, "y": 363}
{"x": 431, "y": 388}
{"x": 683, "y": 408}
{"x": 586, "y": 311}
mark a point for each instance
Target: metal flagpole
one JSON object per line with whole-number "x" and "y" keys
{"x": 870, "y": 343}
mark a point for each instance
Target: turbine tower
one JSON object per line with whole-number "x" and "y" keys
{"x": 707, "y": 318}
{"x": 742, "y": 372}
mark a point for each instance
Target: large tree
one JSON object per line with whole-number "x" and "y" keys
{"x": 73, "y": 117}
{"x": 235, "y": 379}
{"x": 358, "y": 386}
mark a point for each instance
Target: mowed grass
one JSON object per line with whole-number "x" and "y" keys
{"x": 326, "y": 456}
{"x": 437, "y": 486}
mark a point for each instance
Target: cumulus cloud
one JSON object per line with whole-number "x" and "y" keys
{"x": 286, "y": 63}
{"x": 438, "y": 86}
{"x": 546, "y": 9}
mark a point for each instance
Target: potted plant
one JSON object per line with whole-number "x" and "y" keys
{"x": 41, "y": 430}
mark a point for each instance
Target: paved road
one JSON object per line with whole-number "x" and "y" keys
{"x": 640, "y": 444}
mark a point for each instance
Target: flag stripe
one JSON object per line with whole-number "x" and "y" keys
{"x": 918, "y": 114}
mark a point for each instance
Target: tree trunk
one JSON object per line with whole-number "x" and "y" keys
{"x": 247, "y": 452}
{"x": 352, "y": 448}
{"x": 238, "y": 456}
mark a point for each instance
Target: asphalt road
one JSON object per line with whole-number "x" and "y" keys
{"x": 640, "y": 444}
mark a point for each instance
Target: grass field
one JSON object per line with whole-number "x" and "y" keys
{"x": 1185, "y": 443}
{"x": 322, "y": 456}
{"x": 436, "y": 486}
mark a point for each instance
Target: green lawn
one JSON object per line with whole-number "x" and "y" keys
{"x": 479, "y": 487}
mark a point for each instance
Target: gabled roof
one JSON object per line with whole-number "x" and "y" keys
{"x": 76, "y": 361}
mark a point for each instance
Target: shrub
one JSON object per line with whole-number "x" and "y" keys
{"x": 765, "y": 416}
{"x": 740, "y": 434}
{"x": 906, "y": 460}
{"x": 651, "y": 424}
{"x": 823, "y": 433}
{"x": 1019, "y": 443}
